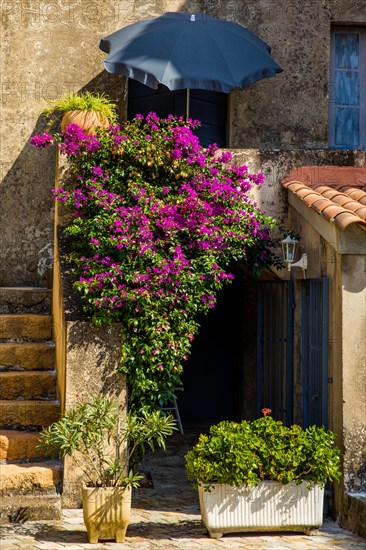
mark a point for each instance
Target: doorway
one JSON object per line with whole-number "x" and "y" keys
{"x": 243, "y": 356}
{"x": 210, "y": 108}
{"x": 219, "y": 378}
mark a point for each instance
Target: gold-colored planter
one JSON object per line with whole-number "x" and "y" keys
{"x": 106, "y": 512}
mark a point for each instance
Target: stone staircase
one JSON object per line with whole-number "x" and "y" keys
{"x": 29, "y": 483}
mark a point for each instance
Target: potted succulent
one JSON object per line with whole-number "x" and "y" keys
{"x": 87, "y": 110}
{"x": 106, "y": 446}
{"x": 262, "y": 475}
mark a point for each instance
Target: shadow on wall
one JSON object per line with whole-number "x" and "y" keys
{"x": 26, "y": 205}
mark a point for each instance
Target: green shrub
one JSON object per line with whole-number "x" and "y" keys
{"x": 102, "y": 444}
{"x": 83, "y": 101}
{"x": 264, "y": 449}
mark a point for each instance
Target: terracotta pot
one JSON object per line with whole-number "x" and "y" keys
{"x": 87, "y": 120}
{"x": 106, "y": 512}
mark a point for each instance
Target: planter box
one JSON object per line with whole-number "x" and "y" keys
{"x": 270, "y": 506}
{"x": 106, "y": 513}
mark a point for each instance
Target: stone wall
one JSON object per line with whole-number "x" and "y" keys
{"x": 87, "y": 359}
{"x": 47, "y": 49}
{"x": 51, "y": 47}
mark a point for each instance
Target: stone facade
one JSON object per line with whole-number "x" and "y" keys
{"x": 49, "y": 48}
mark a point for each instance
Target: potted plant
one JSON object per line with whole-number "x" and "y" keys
{"x": 105, "y": 446}
{"x": 87, "y": 110}
{"x": 262, "y": 475}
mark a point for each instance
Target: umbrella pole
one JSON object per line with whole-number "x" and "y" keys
{"x": 187, "y": 103}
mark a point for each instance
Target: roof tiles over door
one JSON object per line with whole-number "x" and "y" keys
{"x": 339, "y": 195}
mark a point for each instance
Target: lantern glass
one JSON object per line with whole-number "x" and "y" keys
{"x": 289, "y": 249}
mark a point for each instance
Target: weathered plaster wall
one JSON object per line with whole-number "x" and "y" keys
{"x": 353, "y": 507}
{"x": 354, "y": 371}
{"x": 92, "y": 357}
{"x": 47, "y": 49}
{"x": 347, "y": 352}
{"x": 51, "y": 47}
{"x": 290, "y": 110}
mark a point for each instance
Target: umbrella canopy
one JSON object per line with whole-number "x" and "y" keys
{"x": 183, "y": 50}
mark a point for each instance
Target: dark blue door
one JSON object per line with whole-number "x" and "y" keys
{"x": 208, "y": 107}
{"x": 275, "y": 349}
{"x": 314, "y": 351}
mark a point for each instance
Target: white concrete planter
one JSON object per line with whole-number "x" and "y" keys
{"x": 270, "y": 506}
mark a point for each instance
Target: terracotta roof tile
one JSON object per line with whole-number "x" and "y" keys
{"x": 342, "y": 201}
{"x": 355, "y": 194}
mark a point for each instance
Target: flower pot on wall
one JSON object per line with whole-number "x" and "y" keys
{"x": 271, "y": 506}
{"x": 106, "y": 512}
{"x": 88, "y": 121}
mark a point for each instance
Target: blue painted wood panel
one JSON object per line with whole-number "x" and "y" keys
{"x": 347, "y": 88}
{"x": 347, "y": 100}
{"x": 314, "y": 351}
{"x": 347, "y": 55}
{"x": 347, "y": 127}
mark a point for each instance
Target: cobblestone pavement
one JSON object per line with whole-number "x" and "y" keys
{"x": 166, "y": 517}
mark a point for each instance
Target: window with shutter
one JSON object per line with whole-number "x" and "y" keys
{"x": 347, "y": 98}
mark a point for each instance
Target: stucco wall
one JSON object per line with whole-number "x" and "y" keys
{"x": 347, "y": 351}
{"x": 47, "y": 49}
{"x": 51, "y": 47}
{"x": 354, "y": 371}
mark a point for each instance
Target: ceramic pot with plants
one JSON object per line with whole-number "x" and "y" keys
{"x": 87, "y": 110}
{"x": 104, "y": 444}
{"x": 262, "y": 475}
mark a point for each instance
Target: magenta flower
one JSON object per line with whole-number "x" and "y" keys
{"x": 97, "y": 171}
{"x": 167, "y": 218}
{"x": 42, "y": 141}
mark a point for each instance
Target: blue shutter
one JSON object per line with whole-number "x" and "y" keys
{"x": 347, "y": 111}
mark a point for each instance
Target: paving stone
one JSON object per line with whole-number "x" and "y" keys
{"x": 167, "y": 521}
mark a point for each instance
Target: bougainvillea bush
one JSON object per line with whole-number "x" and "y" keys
{"x": 157, "y": 221}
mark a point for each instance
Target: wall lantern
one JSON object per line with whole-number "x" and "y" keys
{"x": 289, "y": 245}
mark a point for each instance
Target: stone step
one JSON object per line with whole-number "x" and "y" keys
{"x": 30, "y": 491}
{"x": 28, "y": 414}
{"x": 27, "y": 355}
{"x": 28, "y": 385}
{"x": 28, "y": 478}
{"x": 17, "y": 445}
{"x": 25, "y": 326}
{"x": 25, "y": 299}
{"x": 18, "y": 509}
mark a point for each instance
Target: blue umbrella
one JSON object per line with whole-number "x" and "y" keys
{"x": 182, "y": 50}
